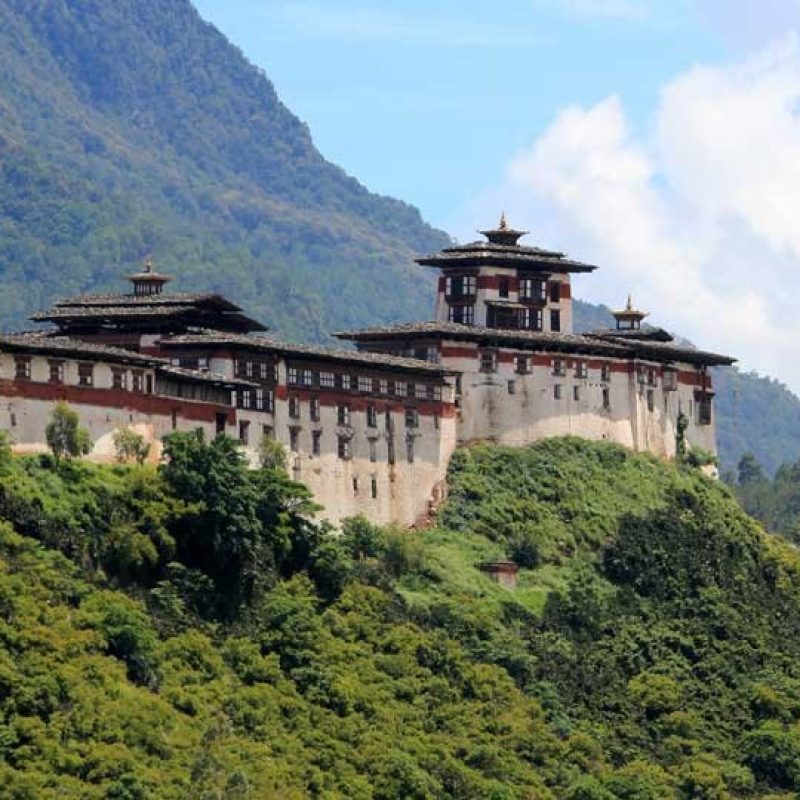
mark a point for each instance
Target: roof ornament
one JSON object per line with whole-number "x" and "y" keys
{"x": 629, "y": 318}
{"x": 148, "y": 265}
{"x": 503, "y": 224}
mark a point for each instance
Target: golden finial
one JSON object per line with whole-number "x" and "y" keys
{"x": 148, "y": 265}
{"x": 629, "y": 306}
{"x": 503, "y": 223}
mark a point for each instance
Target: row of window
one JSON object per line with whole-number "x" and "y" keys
{"x": 362, "y": 383}
{"x": 134, "y": 379}
{"x": 522, "y": 319}
{"x": 344, "y": 446}
{"x": 256, "y": 370}
{"x": 344, "y": 414}
{"x": 466, "y": 286}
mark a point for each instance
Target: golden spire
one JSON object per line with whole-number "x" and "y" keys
{"x": 148, "y": 265}
{"x": 503, "y": 223}
{"x": 629, "y": 305}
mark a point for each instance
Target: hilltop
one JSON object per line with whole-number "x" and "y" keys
{"x": 649, "y": 652}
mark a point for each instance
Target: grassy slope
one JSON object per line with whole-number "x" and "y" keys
{"x": 650, "y": 652}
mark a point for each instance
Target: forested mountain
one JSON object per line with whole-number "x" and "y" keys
{"x": 132, "y": 127}
{"x": 186, "y": 632}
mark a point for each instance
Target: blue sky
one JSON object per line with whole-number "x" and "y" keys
{"x": 427, "y": 101}
{"x": 659, "y": 139}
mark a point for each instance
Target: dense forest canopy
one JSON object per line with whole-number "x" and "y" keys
{"x": 161, "y": 639}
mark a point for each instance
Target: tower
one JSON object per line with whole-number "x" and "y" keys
{"x": 629, "y": 318}
{"x": 502, "y": 284}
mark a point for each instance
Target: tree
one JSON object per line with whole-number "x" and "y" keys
{"x": 272, "y": 454}
{"x": 130, "y": 446}
{"x": 749, "y": 470}
{"x": 64, "y": 434}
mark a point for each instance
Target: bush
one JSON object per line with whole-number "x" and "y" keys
{"x": 64, "y": 435}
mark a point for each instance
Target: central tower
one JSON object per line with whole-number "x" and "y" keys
{"x": 499, "y": 283}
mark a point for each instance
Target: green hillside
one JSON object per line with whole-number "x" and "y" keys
{"x": 134, "y": 128}
{"x": 194, "y": 637}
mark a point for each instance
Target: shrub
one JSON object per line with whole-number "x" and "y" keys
{"x": 130, "y": 446}
{"x": 64, "y": 435}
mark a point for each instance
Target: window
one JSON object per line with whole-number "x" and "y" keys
{"x": 355, "y": 485}
{"x": 174, "y": 420}
{"x": 576, "y": 393}
{"x": 267, "y": 431}
{"x": 605, "y": 372}
{"x": 56, "y": 371}
{"x": 559, "y": 366}
{"x": 555, "y": 320}
{"x": 557, "y": 391}
{"x": 410, "y": 450}
{"x": 411, "y": 389}
{"x": 269, "y": 401}
{"x": 86, "y": 374}
{"x": 400, "y": 388}
{"x": 327, "y": 380}
{"x": 294, "y": 439}
{"x": 670, "y": 380}
{"x": 521, "y": 365}
{"x": 118, "y": 379}
{"x": 137, "y": 383}
{"x": 502, "y": 287}
{"x": 460, "y": 286}
{"x": 488, "y": 360}
{"x": 555, "y": 292}
{"x": 374, "y": 487}
{"x": 641, "y": 374}
{"x": 373, "y": 450}
{"x": 372, "y": 417}
{"x": 464, "y": 315}
{"x": 412, "y": 418}
{"x": 249, "y": 369}
{"x": 530, "y": 319}
{"x": 389, "y": 420}
{"x": 22, "y": 368}
{"x": 245, "y": 398}
{"x": 306, "y": 377}
{"x": 343, "y": 414}
{"x": 259, "y": 399}
{"x": 292, "y": 376}
{"x": 652, "y": 377}
{"x": 512, "y": 387}
{"x": 294, "y": 406}
{"x": 345, "y": 382}
{"x": 532, "y": 289}
{"x": 364, "y": 384}
{"x": 650, "y": 400}
{"x": 383, "y": 386}
{"x": 703, "y": 409}
{"x": 314, "y": 409}
{"x": 345, "y": 448}
{"x": 606, "y": 399}
{"x": 316, "y": 443}
{"x": 581, "y": 370}
{"x": 244, "y": 431}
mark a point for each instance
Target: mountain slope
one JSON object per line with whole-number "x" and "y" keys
{"x": 649, "y": 652}
{"x": 133, "y": 127}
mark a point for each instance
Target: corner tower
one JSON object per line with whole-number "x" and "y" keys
{"x": 499, "y": 283}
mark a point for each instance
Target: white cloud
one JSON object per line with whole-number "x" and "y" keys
{"x": 700, "y": 218}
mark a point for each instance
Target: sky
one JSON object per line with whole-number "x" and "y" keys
{"x": 658, "y": 139}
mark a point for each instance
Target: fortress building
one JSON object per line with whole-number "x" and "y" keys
{"x": 369, "y": 430}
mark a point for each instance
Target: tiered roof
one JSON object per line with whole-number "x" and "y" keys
{"x": 174, "y": 312}
{"x": 607, "y": 343}
{"x": 501, "y": 249}
{"x": 211, "y": 338}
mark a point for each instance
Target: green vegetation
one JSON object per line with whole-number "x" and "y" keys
{"x": 64, "y": 434}
{"x": 197, "y": 636}
{"x": 132, "y": 128}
